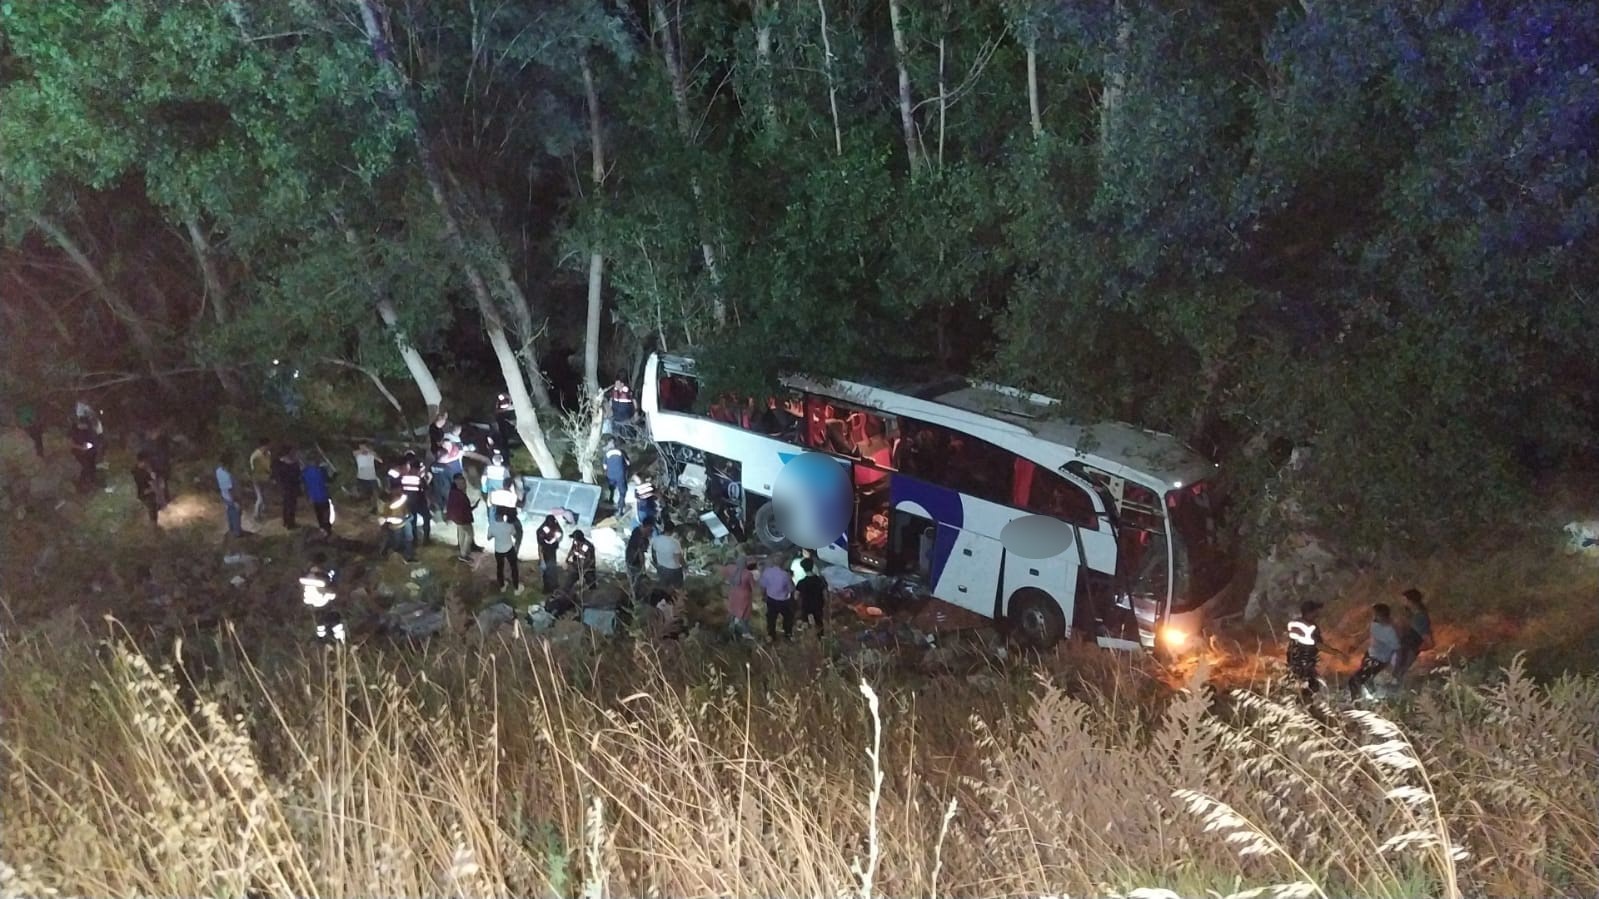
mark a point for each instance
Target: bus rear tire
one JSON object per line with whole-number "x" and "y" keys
{"x": 1035, "y": 620}
{"x": 766, "y": 529}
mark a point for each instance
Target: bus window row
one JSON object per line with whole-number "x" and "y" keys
{"x": 885, "y": 443}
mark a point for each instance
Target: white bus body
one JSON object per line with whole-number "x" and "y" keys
{"x": 938, "y": 475}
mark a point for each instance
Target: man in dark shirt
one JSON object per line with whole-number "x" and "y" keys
{"x": 85, "y": 449}
{"x": 580, "y": 559}
{"x": 1304, "y": 649}
{"x": 286, "y": 471}
{"x": 812, "y": 593}
{"x": 549, "y": 536}
{"x": 638, "y": 549}
{"x": 458, "y": 511}
{"x": 144, "y": 485}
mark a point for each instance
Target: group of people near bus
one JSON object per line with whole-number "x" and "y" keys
{"x": 1392, "y": 646}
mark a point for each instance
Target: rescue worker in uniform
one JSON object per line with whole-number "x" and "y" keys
{"x": 616, "y": 472}
{"x": 622, "y": 410}
{"x": 316, "y": 592}
{"x": 580, "y": 560}
{"x": 549, "y": 536}
{"x": 399, "y": 533}
{"x": 412, "y": 479}
{"x": 1305, "y": 644}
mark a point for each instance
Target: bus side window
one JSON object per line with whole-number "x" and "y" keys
{"x": 1041, "y": 491}
{"x": 678, "y": 392}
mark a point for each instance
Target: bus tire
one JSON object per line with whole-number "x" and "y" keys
{"x": 766, "y": 529}
{"x": 1035, "y": 619}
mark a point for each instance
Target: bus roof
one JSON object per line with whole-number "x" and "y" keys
{"x": 1023, "y": 421}
{"x": 1114, "y": 446}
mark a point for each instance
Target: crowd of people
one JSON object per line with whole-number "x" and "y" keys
{"x": 1391, "y": 646}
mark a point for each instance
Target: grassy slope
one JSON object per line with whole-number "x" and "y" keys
{"x": 731, "y": 769}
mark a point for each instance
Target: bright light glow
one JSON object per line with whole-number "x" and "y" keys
{"x": 276, "y": 362}
{"x": 1174, "y": 638}
{"x": 1177, "y": 484}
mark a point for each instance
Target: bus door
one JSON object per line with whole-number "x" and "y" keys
{"x": 872, "y": 524}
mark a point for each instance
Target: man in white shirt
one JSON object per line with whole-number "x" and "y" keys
{"x": 366, "y": 473}
{"x": 230, "y": 498}
{"x": 668, "y": 555}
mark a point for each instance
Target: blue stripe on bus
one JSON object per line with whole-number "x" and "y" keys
{"x": 941, "y": 504}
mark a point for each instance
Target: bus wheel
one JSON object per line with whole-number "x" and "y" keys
{"x": 767, "y": 529}
{"x": 1035, "y": 619}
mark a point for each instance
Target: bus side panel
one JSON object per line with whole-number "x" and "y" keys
{"x": 971, "y": 574}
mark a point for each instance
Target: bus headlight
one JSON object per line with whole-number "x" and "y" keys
{"x": 1173, "y": 638}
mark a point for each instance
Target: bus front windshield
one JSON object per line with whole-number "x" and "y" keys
{"x": 1203, "y": 555}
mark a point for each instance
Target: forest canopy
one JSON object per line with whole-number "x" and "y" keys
{"x": 1366, "y": 230}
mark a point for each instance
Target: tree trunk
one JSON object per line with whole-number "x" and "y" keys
{"x": 1032, "y": 87}
{"x": 763, "y": 62}
{"x": 138, "y": 330}
{"x": 216, "y": 294}
{"x": 907, "y": 119}
{"x": 943, "y": 94}
{"x": 421, "y": 375}
{"x": 588, "y": 454}
{"x": 832, "y": 91}
{"x": 527, "y": 422}
{"x": 591, "y": 331}
{"x": 1115, "y": 82}
{"x": 674, "y": 70}
{"x": 522, "y": 316}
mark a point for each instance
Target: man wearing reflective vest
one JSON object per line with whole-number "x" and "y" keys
{"x": 1304, "y": 648}
{"x": 622, "y": 410}
{"x": 580, "y": 560}
{"x": 399, "y": 534}
{"x": 316, "y": 588}
{"x": 616, "y": 472}
{"x": 412, "y": 478}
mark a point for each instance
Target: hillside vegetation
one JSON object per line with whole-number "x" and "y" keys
{"x": 493, "y": 770}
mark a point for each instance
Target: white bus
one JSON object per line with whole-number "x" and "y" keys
{"x": 939, "y": 471}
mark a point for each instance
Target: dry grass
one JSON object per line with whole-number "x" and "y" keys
{"x": 497, "y": 771}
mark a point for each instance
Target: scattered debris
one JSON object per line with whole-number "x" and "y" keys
{"x": 494, "y": 617}
{"x": 238, "y": 580}
{"x": 413, "y": 619}
{"x": 419, "y": 573}
{"x": 1582, "y": 537}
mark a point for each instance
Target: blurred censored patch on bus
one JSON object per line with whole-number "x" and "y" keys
{"x": 1037, "y": 537}
{"x": 813, "y": 500}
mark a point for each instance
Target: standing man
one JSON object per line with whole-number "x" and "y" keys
{"x": 645, "y": 505}
{"x": 412, "y": 479}
{"x": 28, "y": 421}
{"x": 1304, "y": 649}
{"x": 286, "y": 471}
{"x": 86, "y": 450}
{"x": 496, "y": 474}
{"x": 638, "y": 548}
{"x": 144, "y": 486}
{"x": 779, "y": 589}
{"x": 230, "y": 497}
{"x": 812, "y": 593}
{"x": 549, "y": 536}
{"x": 616, "y": 472}
{"x": 622, "y": 411}
{"x": 316, "y": 588}
{"x": 1416, "y": 635}
{"x": 502, "y": 537}
{"x": 504, "y": 422}
{"x": 436, "y": 429}
{"x": 399, "y": 534}
{"x": 160, "y": 447}
{"x": 458, "y": 511}
{"x": 260, "y": 473}
{"x": 315, "y": 476}
{"x": 366, "y": 473}
{"x": 580, "y": 559}
{"x": 1381, "y": 653}
{"x": 668, "y": 555}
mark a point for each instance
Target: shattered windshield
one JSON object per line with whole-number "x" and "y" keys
{"x": 1203, "y": 553}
